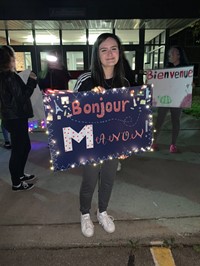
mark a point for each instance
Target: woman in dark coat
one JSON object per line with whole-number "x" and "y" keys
{"x": 15, "y": 110}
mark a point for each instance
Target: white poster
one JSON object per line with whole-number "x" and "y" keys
{"x": 172, "y": 87}
{"x": 36, "y": 98}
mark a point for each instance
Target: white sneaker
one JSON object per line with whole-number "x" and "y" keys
{"x": 87, "y": 226}
{"x": 106, "y": 221}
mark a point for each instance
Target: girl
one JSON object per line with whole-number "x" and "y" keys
{"x": 15, "y": 109}
{"x": 176, "y": 58}
{"x": 106, "y": 72}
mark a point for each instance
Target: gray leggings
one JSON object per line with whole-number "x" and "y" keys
{"x": 104, "y": 174}
{"x": 175, "y": 119}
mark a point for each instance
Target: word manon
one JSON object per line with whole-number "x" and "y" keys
{"x": 87, "y": 132}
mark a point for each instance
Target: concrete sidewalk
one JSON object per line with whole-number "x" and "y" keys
{"x": 156, "y": 196}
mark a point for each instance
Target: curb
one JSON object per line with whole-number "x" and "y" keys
{"x": 185, "y": 231}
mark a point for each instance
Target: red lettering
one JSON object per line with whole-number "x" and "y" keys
{"x": 76, "y": 109}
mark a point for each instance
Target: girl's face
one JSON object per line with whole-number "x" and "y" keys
{"x": 174, "y": 56}
{"x": 12, "y": 65}
{"x": 109, "y": 52}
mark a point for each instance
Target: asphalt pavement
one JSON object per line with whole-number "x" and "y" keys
{"x": 156, "y": 198}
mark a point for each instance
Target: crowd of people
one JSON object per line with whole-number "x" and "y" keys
{"x": 109, "y": 69}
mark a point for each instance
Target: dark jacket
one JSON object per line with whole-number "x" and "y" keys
{"x": 55, "y": 79}
{"x": 15, "y": 96}
{"x": 129, "y": 73}
{"x": 85, "y": 83}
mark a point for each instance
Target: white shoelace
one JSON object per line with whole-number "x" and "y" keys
{"x": 24, "y": 184}
{"x": 87, "y": 222}
{"x": 107, "y": 218}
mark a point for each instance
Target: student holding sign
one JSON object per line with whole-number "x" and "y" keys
{"x": 176, "y": 58}
{"x": 106, "y": 72}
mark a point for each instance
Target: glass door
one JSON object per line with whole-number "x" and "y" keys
{"x": 75, "y": 64}
{"x": 23, "y": 61}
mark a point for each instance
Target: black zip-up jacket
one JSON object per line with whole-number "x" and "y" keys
{"x": 15, "y": 96}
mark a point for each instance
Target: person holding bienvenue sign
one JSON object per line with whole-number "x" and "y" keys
{"x": 106, "y": 72}
{"x": 176, "y": 58}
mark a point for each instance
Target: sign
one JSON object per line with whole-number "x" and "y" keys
{"x": 36, "y": 98}
{"x": 172, "y": 87}
{"x": 88, "y": 128}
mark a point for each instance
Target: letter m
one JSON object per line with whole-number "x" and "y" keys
{"x": 69, "y": 134}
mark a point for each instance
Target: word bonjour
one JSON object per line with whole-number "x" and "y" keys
{"x": 100, "y": 109}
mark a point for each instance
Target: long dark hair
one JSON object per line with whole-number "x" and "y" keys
{"x": 97, "y": 72}
{"x": 6, "y": 53}
{"x": 183, "y": 58}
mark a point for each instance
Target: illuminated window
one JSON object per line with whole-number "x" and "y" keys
{"x": 20, "y": 37}
{"x": 23, "y": 61}
{"x": 46, "y": 37}
{"x": 2, "y": 37}
{"x": 74, "y": 37}
{"x": 128, "y": 36}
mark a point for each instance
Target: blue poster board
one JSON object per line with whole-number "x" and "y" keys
{"x": 87, "y": 128}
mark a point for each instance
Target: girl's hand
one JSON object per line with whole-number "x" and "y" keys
{"x": 32, "y": 75}
{"x": 99, "y": 89}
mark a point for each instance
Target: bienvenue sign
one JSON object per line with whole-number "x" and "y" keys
{"x": 172, "y": 87}
{"x": 88, "y": 128}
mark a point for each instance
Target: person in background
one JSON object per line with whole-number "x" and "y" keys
{"x": 107, "y": 72}
{"x": 176, "y": 58}
{"x": 56, "y": 75}
{"x": 129, "y": 73}
{"x": 7, "y": 144}
{"x": 15, "y": 110}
